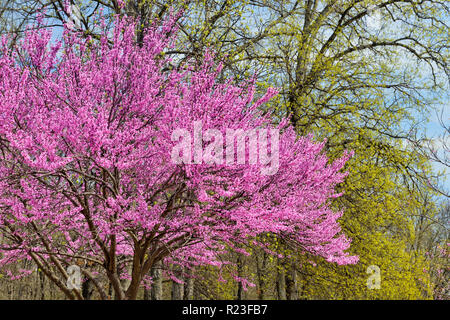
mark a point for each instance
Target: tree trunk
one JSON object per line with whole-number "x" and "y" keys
{"x": 291, "y": 284}
{"x": 110, "y": 291}
{"x": 240, "y": 269}
{"x": 261, "y": 271}
{"x": 42, "y": 284}
{"x": 155, "y": 292}
{"x": 177, "y": 288}
{"x": 197, "y": 290}
{"x": 87, "y": 289}
{"x": 188, "y": 286}
{"x": 281, "y": 283}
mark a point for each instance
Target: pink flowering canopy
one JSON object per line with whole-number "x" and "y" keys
{"x": 87, "y": 173}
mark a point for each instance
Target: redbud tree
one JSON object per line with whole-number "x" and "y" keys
{"x": 87, "y": 175}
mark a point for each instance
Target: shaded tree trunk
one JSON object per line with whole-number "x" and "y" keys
{"x": 261, "y": 271}
{"x": 281, "y": 283}
{"x": 155, "y": 292}
{"x": 197, "y": 291}
{"x": 188, "y": 286}
{"x": 87, "y": 289}
{"x": 291, "y": 284}
{"x": 42, "y": 284}
{"x": 240, "y": 269}
{"x": 110, "y": 289}
{"x": 177, "y": 288}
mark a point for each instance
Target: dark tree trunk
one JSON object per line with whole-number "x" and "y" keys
{"x": 42, "y": 284}
{"x": 240, "y": 269}
{"x": 87, "y": 288}
{"x": 281, "y": 283}
{"x": 177, "y": 288}
{"x": 261, "y": 271}
{"x": 188, "y": 286}
{"x": 291, "y": 284}
{"x": 197, "y": 290}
